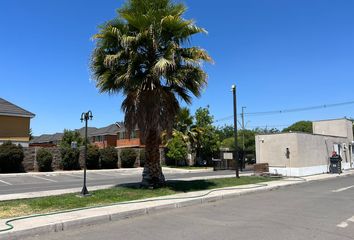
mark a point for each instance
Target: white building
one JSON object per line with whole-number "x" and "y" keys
{"x": 301, "y": 154}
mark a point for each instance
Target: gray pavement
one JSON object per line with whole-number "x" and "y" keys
{"x": 41, "y": 182}
{"x": 313, "y": 210}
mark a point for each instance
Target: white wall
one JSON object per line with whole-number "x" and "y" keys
{"x": 309, "y": 154}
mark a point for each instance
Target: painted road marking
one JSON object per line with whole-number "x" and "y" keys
{"x": 47, "y": 179}
{"x": 346, "y": 223}
{"x": 342, "y": 225}
{"x": 103, "y": 174}
{"x": 7, "y": 183}
{"x": 343, "y": 189}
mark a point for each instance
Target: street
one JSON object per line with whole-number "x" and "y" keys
{"x": 315, "y": 210}
{"x": 25, "y": 183}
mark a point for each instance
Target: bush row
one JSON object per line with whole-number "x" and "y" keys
{"x": 11, "y": 158}
{"x": 100, "y": 158}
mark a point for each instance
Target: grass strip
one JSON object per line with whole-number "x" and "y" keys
{"x": 122, "y": 193}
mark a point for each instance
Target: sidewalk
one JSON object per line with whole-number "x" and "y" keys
{"x": 65, "y": 221}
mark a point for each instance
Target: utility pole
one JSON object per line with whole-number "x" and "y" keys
{"x": 243, "y": 137}
{"x": 235, "y": 130}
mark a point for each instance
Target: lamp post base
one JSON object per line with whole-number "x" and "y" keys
{"x": 85, "y": 192}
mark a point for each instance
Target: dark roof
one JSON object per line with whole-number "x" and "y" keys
{"x": 10, "y": 109}
{"x": 90, "y": 130}
{"x": 47, "y": 138}
{"x": 109, "y": 130}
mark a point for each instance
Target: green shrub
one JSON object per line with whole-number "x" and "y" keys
{"x": 11, "y": 157}
{"x": 109, "y": 158}
{"x": 128, "y": 158}
{"x": 44, "y": 160}
{"x": 70, "y": 158}
{"x": 93, "y": 157}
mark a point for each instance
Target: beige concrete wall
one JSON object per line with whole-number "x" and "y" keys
{"x": 14, "y": 128}
{"x": 271, "y": 149}
{"x": 340, "y": 127}
{"x": 306, "y": 150}
{"x": 315, "y": 150}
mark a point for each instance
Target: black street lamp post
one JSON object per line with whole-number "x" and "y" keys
{"x": 235, "y": 130}
{"x": 85, "y": 117}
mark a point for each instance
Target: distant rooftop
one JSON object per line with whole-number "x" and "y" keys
{"x": 10, "y": 109}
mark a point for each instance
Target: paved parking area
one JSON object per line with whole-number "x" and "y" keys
{"x": 26, "y": 183}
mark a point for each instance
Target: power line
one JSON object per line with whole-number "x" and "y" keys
{"x": 291, "y": 110}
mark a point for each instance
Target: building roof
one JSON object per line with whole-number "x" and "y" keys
{"x": 10, "y": 109}
{"x": 47, "y": 138}
{"x": 91, "y": 131}
{"x": 109, "y": 130}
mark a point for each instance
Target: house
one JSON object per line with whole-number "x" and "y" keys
{"x": 113, "y": 135}
{"x": 301, "y": 154}
{"x": 105, "y": 137}
{"x": 52, "y": 140}
{"x": 126, "y": 141}
{"x": 14, "y": 123}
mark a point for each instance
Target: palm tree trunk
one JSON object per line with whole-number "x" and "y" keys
{"x": 152, "y": 174}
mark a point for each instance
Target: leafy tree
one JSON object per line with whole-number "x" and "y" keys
{"x": 208, "y": 142}
{"x": 69, "y": 137}
{"x": 30, "y": 133}
{"x": 266, "y": 130}
{"x": 250, "y": 149}
{"x": 177, "y": 149}
{"x": 143, "y": 53}
{"x": 301, "y": 126}
{"x": 226, "y": 131}
{"x": 184, "y": 120}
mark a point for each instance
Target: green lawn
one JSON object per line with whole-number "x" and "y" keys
{"x": 15, "y": 208}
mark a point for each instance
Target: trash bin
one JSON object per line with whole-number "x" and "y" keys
{"x": 335, "y": 165}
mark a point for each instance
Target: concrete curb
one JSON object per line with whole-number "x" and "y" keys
{"x": 108, "y": 215}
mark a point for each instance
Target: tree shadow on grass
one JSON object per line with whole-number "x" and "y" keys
{"x": 177, "y": 186}
{"x": 188, "y": 186}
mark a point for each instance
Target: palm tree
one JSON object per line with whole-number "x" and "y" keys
{"x": 144, "y": 54}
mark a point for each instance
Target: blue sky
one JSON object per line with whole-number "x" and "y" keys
{"x": 281, "y": 54}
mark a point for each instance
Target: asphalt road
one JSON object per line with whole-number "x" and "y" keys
{"x": 315, "y": 210}
{"x": 25, "y": 183}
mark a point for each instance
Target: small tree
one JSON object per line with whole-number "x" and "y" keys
{"x": 44, "y": 160}
{"x": 70, "y": 157}
{"x": 177, "y": 150}
{"x": 11, "y": 157}
{"x": 69, "y": 137}
{"x": 128, "y": 157}
{"x": 109, "y": 158}
{"x": 93, "y": 157}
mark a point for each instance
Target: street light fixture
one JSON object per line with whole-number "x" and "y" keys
{"x": 85, "y": 116}
{"x": 235, "y": 130}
